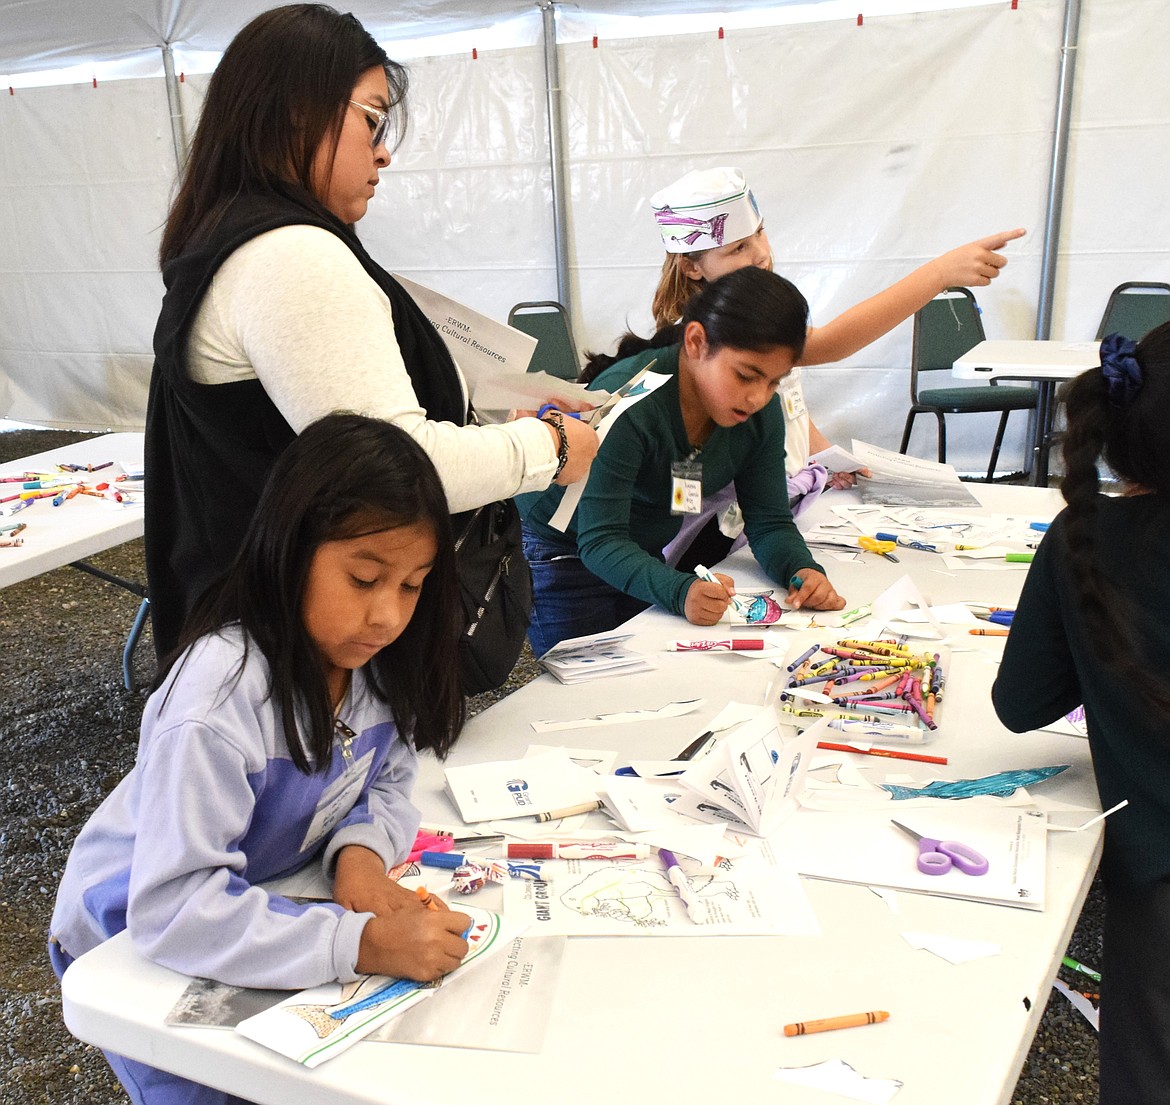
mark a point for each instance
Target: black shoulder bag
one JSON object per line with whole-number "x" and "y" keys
{"x": 495, "y": 584}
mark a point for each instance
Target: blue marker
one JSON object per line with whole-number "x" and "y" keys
{"x": 1041, "y": 526}
{"x": 909, "y": 542}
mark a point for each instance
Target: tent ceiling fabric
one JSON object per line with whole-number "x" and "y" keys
{"x": 50, "y": 34}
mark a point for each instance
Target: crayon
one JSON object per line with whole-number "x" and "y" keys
{"x": 851, "y": 1020}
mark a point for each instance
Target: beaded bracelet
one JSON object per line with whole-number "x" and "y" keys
{"x": 557, "y": 421}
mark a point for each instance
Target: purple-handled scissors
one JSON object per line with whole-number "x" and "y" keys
{"x": 937, "y": 857}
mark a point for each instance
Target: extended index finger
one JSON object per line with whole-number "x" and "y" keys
{"x": 998, "y": 241}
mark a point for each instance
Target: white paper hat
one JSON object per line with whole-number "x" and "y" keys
{"x": 704, "y": 209}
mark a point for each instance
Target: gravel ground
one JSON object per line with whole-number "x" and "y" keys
{"x": 68, "y": 735}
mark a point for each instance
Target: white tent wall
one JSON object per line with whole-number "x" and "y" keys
{"x": 871, "y": 149}
{"x": 1116, "y": 223}
{"x": 85, "y": 175}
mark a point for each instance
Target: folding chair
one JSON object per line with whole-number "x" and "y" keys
{"x": 547, "y": 321}
{"x": 1134, "y": 309}
{"x": 944, "y": 329}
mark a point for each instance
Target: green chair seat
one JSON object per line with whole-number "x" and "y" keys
{"x": 944, "y": 329}
{"x": 984, "y": 398}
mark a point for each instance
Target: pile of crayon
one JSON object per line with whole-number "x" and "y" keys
{"x": 872, "y": 690}
{"x": 18, "y": 493}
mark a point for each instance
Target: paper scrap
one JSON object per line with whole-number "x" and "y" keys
{"x": 622, "y": 717}
{"x": 951, "y": 948}
{"x": 837, "y": 1076}
{"x": 1080, "y": 1003}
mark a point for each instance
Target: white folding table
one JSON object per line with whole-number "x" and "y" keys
{"x": 81, "y": 527}
{"x": 689, "y": 1020}
{"x": 1045, "y": 362}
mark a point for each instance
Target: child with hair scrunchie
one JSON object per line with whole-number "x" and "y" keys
{"x": 1090, "y": 628}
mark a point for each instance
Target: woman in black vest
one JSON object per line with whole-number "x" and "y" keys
{"x": 275, "y": 315}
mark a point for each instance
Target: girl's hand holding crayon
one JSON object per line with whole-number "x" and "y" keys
{"x": 812, "y": 589}
{"x": 419, "y": 941}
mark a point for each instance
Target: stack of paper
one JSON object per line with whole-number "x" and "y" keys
{"x": 517, "y": 788}
{"x": 580, "y": 659}
{"x": 750, "y": 781}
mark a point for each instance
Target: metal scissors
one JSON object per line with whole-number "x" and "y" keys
{"x": 937, "y": 857}
{"x": 882, "y": 548}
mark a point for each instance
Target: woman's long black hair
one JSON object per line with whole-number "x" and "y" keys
{"x": 749, "y": 308}
{"x": 1126, "y": 423}
{"x": 344, "y": 476}
{"x": 280, "y": 91}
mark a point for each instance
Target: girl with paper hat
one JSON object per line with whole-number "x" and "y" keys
{"x": 711, "y": 225}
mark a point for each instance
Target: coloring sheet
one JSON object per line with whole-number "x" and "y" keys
{"x": 320, "y": 1023}
{"x": 752, "y": 895}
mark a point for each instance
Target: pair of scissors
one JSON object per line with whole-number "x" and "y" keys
{"x": 937, "y": 857}
{"x": 882, "y": 548}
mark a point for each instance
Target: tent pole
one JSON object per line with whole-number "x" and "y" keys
{"x": 178, "y": 128}
{"x": 1068, "y": 62}
{"x": 556, "y": 149}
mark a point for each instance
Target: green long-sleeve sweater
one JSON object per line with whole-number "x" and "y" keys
{"x": 624, "y": 520}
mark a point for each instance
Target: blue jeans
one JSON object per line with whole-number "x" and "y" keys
{"x": 568, "y": 599}
{"x": 149, "y": 1085}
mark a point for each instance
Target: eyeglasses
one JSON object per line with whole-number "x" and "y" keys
{"x": 379, "y": 123}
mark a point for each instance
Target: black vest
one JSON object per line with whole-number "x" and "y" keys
{"x": 210, "y": 447}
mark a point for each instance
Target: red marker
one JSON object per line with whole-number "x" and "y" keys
{"x": 728, "y": 644}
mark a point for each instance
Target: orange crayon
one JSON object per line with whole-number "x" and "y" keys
{"x": 988, "y": 632}
{"x": 852, "y": 1020}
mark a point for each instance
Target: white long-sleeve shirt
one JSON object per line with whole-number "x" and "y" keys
{"x": 294, "y": 309}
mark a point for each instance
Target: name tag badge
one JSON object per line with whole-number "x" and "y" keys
{"x": 792, "y": 397}
{"x": 337, "y": 800}
{"x": 686, "y": 487}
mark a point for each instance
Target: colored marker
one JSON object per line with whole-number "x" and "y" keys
{"x": 852, "y": 1020}
{"x": 1018, "y": 558}
{"x": 872, "y": 731}
{"x": 729, "y": 644}
{"x": 893, "y": 753}
{"x": 577, "y": 849}
{"x": 696, "y": 910}
{"x": 706, "y": 575}
{"x": 1068, "y": 961}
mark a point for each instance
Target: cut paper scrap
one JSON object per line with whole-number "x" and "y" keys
{"x": 838, "y": 1077}
{"x": 1080, "y": 1003}
{"x": 890, "y": 897}
{"x": 1091, "y": 822}
{"x": 1000, "y": 785}
{"x": 622, "y": 717}
{"x": 903, "y": 595}
{"x": 951, "y": 948}
{"x": 598, "y": 760}
{"x": 322, "y": 1022}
